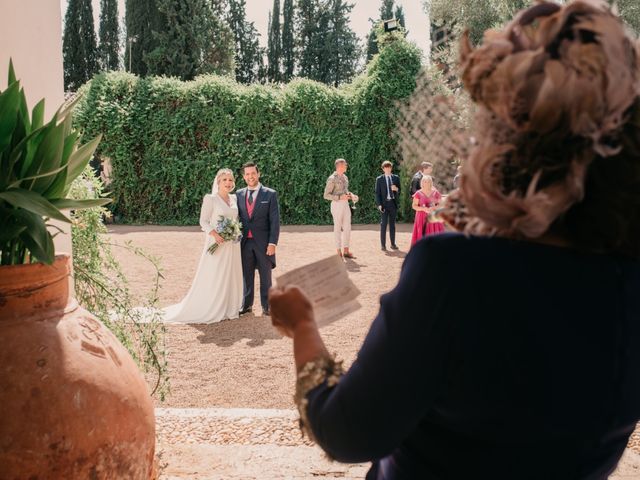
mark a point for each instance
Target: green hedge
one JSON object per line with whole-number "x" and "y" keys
{"x": 166, "y": 138}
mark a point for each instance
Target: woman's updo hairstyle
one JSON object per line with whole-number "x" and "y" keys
{"x": 557, "y": 130}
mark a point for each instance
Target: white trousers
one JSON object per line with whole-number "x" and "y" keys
{"x": 341, "y": 214}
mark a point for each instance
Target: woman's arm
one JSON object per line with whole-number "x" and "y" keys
{"x": 206, "y": 211}
{"x": 396, "y": 377}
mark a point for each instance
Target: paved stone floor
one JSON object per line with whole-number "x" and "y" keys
{"x": 265, "y": 444}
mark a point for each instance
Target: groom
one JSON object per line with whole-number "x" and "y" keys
{"x": 260, "y": 216}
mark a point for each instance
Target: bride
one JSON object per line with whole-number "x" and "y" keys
{"x": 216, "y": 292}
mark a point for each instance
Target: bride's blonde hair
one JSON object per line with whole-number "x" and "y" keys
{"x": 221, "y": 172}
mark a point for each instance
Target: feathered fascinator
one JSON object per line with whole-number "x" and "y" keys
{"x": 553, "y": 89}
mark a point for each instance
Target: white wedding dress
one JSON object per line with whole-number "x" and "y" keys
{"x": 216, "y": 291}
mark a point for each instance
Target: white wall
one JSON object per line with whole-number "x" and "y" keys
{"x": 31, "y": 34}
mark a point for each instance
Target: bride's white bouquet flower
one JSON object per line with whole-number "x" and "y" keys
{"x": 229, "y": 229}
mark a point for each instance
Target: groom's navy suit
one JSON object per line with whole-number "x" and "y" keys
{"x": 259, "y": 229}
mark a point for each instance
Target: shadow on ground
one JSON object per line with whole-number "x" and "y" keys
{"x": 228, "y": 332}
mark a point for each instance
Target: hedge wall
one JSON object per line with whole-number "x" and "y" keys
{"x": 166, "y": 138}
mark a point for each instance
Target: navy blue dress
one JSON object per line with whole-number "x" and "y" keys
{"x": 493, "y": 359}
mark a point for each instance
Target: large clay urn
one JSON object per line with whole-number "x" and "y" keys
{"x": 73, "y": 404}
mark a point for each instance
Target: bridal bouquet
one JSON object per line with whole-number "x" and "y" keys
{"x": 230, "y": 230}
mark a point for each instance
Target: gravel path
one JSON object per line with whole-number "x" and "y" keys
{"x": 245, "y": 362}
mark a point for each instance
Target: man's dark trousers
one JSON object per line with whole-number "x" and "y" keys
{"x": 388, "y": 216}
{"x": 255, "y": 258}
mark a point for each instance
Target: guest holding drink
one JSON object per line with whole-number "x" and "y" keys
{"x": 425, "y": 202}
{"x": 337, "y": 192}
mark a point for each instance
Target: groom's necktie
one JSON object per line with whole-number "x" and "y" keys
{"x": 388, "y": 187}
{"x": 251, "y": 192}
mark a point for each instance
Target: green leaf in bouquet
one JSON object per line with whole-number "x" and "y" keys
{"x": 68, "y": 203}
{"x": 32, "y": 201}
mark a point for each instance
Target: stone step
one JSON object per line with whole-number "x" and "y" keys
{"x": 237, "y": 443}
{"x": 265, "y": 444}
{"x": 229, "y": 426}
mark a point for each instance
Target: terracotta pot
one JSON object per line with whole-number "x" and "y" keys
{"x": 73, "y": 403}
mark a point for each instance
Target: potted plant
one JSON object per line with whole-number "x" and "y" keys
{"x": 74, "y": 404}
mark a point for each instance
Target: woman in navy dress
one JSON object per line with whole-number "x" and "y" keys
{"x": 510, "y": 352}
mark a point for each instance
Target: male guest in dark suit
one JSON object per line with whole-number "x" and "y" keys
{"x": 260, "y": 216}
{"x": 425, "y": 169}
{"x": 387, "y": 191}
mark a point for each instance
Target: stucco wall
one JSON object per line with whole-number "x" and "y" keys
{"x": 31, "y": 34}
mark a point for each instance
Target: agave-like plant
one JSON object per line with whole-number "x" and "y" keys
{"x": 38, "y": 162}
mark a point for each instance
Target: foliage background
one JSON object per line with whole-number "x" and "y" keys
{"x": 166, "y": 138}
{"x": 102, "y": 288}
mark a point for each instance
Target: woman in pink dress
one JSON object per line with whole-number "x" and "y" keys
{"x": 425, "y": 201}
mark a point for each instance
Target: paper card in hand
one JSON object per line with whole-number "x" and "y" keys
{"x": 328, "y": 286}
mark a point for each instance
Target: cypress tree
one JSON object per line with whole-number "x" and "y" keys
{"x": 142, "y": 18}
{"x": 339, "y": 58}
{"x": 109, "y": 35}
{"x": 193, "y": 41}
{"x": 247, "y": 45}
{"x": 274, "y": 44}
{"x": 329, "y": 50}
{"x": 79, "y": 49}
{"x": 288, "y": 45}
{"x": 219, "y": 47}
{"x": 308, "y": 37}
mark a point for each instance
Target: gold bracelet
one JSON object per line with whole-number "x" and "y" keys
{"x": 312, "y": 374}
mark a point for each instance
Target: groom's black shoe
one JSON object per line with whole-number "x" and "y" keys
{"x": 394, "y": 247}
{"x": 245, "y": 310}
{"x": 266, "y": 312}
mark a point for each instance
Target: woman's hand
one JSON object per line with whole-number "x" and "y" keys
{"x": 216, "y": 236}
{"x": 290, "y": 309}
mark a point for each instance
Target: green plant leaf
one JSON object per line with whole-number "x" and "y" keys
{"x": 31, "y": 147}
{"x": 68, "y": 203}
{"x": 9, "y": 105}
{"x": 37, "y": 116}
{"x": 44, "y": 254}
{"x": 12, "y": 73}
{"x": 11, "y": 232}
{"x": 17, "y": 183}
{"x": 23, "y": 112}
{"x": 81, "y": 157}
{"x": 47, "y": 158}
{"x": 36, "y": 236}
{"x": 33, "y": 202}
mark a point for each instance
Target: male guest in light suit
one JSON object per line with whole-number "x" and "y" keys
{"x": 260, "y": 216}
{"x": 387, "y": 191}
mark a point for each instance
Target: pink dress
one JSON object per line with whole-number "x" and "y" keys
{"x": 421, "y": 225}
